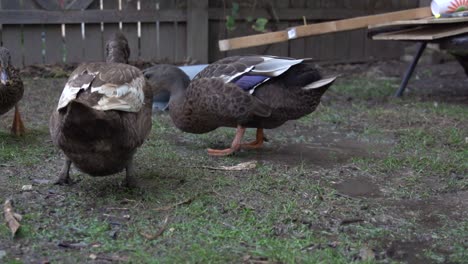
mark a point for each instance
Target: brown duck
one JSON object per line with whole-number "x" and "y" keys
{"x": 260, "y": 92}
{"x": 103, "y": 115}
{"x": 11, "y": 90}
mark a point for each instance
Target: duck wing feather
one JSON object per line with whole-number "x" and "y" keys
{"x": 117, "y": 86}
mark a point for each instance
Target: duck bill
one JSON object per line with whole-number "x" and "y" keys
{"x": 4, "y": 76}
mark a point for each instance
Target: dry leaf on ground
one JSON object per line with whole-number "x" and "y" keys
{"x": 249, "y": 165}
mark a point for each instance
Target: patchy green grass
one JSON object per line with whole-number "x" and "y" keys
{"x": 286, "y": 210}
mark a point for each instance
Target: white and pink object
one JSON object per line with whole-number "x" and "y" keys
{"x": 448, "y": 6}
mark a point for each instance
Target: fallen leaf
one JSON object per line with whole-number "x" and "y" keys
{"x": 92, "y": 256}
{"x": 27, "y": 188}
{"x": 41, "y": 181}
{"x": 12, "y": 219}
{"x": 160, "y": 231}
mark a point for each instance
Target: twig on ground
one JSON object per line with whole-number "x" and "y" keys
{"x": 351, "y": 221}
{"x": 249, "y": 165}
{"x": 187, "y": 201}
{"x": 160, "y": 231}
{"x": 12, "y": 219}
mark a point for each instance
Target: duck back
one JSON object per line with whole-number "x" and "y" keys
{"x": 287, "y": 97}
{"x": 99, "y": 142}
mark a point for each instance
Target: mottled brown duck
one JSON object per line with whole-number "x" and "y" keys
{"x": 261, "y": 92}
{"x": 11, "y": 90}
{"x": 103, "y": 115}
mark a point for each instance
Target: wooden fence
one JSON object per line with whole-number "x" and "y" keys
{"x": 54, "y": 31}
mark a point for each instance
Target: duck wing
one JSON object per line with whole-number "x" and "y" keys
{"x": 115, "y": 86}
{"x": 248, "y": 72}
{"x": 213, "y": 97}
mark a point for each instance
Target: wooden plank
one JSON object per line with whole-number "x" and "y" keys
{"x": 321, "y": 28}
{"x": 88, "y": 16}
{"x": 424, "y": 33}
{"x": 53, "y": 44}
{"x": 424, "y": 21}
{"x": 197, "y": 30}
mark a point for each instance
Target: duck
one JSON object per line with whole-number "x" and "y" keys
{"x": 103, "y": 115}
{"x": 253, "y": 91}
{"x": 11, "y": 91}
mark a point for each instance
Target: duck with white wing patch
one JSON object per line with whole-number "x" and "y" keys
{"x": 103, "y": 115}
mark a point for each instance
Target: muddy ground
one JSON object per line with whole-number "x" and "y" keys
{"x": 366, "y": 178}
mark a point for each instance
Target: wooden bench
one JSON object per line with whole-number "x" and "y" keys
{"x": 450, "y": 33}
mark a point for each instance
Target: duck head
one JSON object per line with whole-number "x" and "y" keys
{"x": 5, "y": 62}
{"x": 168, "y": 83}
{"x": 117, "y": 49}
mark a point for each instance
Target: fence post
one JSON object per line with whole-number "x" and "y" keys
{"x": 197, "y": 30}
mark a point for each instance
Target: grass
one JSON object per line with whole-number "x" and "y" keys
{"x": 282, "y": 211}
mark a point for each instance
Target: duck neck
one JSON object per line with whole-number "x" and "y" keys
{"x": 177, "y": 90}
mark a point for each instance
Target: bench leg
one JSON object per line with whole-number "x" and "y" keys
{"x": 463, "y": 60}
{"x": 410, "y": 70}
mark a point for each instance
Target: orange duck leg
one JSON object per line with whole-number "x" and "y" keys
{"x": 258, "y": 143}
{"x": 18, "y": 127}
{"x": 235, "y": 146}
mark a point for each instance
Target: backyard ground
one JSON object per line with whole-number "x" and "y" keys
{"x": 365, "y": 178}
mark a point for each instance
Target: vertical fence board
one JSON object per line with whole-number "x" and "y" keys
{"x": 93, "y": 38}
{"x": 148, "y": 48}
{"x": 297, "y": 46}
{"x": 74, "y": 43}
{"x": 148, "y": 42}
{"x": 93, "y": 43}
{"x": 131, "y": 30}
{"x": 33, "y": 45}
{"x": 109, "y": 28}
{"x": 197, "y": 30}
{"x": 217, "y": 31}
{"x": 53, "y": 44}
{"x": 166, "y": 48}
{"x": 11, "y": 35}
{"x": 11, "y": 38}
{"x": 181, "y": 43}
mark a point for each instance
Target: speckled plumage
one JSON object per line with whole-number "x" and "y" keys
{"x": 11, "y": 90}
{"x": 212, "y": 99}
{"x": 100, "y": 142}
{"x": 11, "y": 93}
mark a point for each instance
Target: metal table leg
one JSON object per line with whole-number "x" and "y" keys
{"x": 410, "y": 70}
